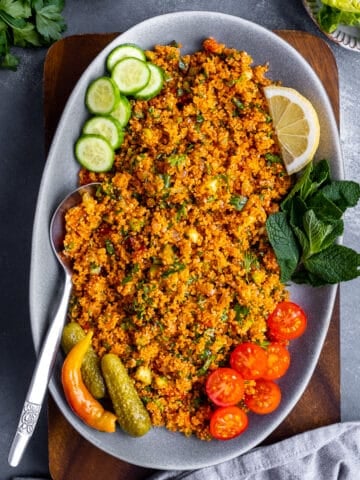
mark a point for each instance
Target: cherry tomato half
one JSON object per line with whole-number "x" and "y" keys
{"x": 249, "y": 360}
{"x": 265, "y": 399}
{"x": 225, "y": 386}
{"x": 287, "y": 321}
{"x": 228, "y": 422}
{"x": 278, "y": 361}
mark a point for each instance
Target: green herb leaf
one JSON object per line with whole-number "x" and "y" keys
{"x": 320, "y": 234}
{"x": 12, "y": 21}
{"x": 16, "y": 8}
{"x": 324, "y": 208}
{"x": 177, "y": 160}
{"x": 174, "y": 268}
{"x": 284, "y": 243}
{"x": 335, "y": 264}
{"x": 310, "y": 181}
{"x": 238, "y": 201}
{"x": 27, "y": 36}
{"x": 110, "y": 250}
{"x": 28, "y": 23}
{"x": 343, "y": 193}
{"x": 272, "y": 158}
{"x": 304, "y": 234}
{"x": 240, "y": 312}
{"x": 49, "y": 21}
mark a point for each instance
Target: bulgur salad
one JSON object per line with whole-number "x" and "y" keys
{"x": 173, "y": 269}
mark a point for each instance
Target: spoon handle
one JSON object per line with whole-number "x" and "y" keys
{"x": 40, "y": 380}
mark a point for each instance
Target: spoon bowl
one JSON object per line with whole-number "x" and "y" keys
{"x": 57, "y": 225}
{"x": 42, "y": 373}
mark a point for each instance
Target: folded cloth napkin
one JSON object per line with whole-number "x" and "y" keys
{"x": 326, "y": 453}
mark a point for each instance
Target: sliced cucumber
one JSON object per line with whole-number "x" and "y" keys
{"x": 130, "y": 75}
{"x": 106, "y": 126}
{"x": 102, "y": 96}
{"x": 122, "y": 112}
{"x": 123, "y": 51}
{"x": 154, "y": 85}
{"x": 94, "y": 153}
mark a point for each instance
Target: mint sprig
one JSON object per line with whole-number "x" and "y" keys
{"x": 305, "y": 231}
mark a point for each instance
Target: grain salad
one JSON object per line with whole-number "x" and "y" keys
{"x": 172, "y": 265}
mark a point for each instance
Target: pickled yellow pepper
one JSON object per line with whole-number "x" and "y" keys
{"x": 78, "y": 396}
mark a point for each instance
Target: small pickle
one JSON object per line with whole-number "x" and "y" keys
{"x": 78, "y": 396}
{"x": 132, "y": 416}
{"x": 90, "y": 368}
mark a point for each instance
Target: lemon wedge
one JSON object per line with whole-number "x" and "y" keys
{"x": 296, "y": 125}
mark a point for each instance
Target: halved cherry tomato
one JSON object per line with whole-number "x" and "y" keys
{"x": 225, "y": 386}
{"x": 265, "y": 399}
{"x": 287, "y": 321}
{"x": 278, "y": 361}
{"x": 228, "y": 422}
{"x": 249, "y": 359}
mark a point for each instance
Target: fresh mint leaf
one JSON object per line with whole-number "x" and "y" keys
{"x": 343, "y": 193}
{"x": 310, "y": 223}
{"x": 320, "y": 234}
{"x": 303, "y": 276}
{"x": 297, "y": 209}
{"x": 310, "y": 181}
{"x": 324, "y": 208}
{"x": 301, "y": 185}
{"x": 335, "y": 264}
{"x": 302, "y": 238}
{"x": 284, "y": 243}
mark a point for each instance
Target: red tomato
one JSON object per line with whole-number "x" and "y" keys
{"x": 249, "y": 360}
{"x": 225, "y": 386}
{"x": 287, "y": 321}
{"x": 278, "y": 361}
{"x": 265, "y": 399}
{"x": 228, "y": 422}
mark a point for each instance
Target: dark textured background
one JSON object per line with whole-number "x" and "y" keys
{"x": 22, "y": 160}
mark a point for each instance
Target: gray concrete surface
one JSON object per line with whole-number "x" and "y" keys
{"x": 22, "y": 159}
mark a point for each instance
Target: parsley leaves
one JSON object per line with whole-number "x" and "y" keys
{"x": 304, "y": 233}
{"x": 28, "y": 23}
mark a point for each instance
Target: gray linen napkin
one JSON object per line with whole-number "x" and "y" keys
{"x": 326, "y": 453}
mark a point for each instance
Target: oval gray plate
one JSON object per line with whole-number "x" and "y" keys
{"x": 160, "y": 448}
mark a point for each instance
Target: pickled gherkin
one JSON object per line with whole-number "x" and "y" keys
{"x": 132, "y": 416}
{"x": 90, "y": 369}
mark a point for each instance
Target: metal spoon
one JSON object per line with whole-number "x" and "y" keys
{"x": 43, "y": 370}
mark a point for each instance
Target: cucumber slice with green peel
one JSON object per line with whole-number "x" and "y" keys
{"x": 102, "y": 96}
{"x": 94, "y": 153}
{"x": 123, "y": 51}
{"x": 130, "y": 75}
{"x": 122, "y": 112}
{"x": 106, "y": 126}
{"x": 154, "y": 85}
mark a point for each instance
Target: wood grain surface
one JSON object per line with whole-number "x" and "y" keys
{"x": 70, "y": 456}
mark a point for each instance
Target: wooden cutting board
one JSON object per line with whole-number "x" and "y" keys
{"x": 70, "y": 456}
